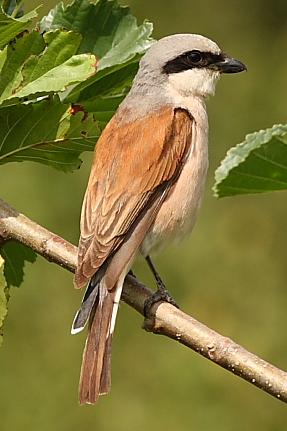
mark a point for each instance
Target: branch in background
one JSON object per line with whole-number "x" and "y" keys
{"x": 165, "y": 319}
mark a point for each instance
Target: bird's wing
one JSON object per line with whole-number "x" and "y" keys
{"x": 133, "y": 163}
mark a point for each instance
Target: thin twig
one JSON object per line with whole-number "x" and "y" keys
{"x": 165, "y": 319}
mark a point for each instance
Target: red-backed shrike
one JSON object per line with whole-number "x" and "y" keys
{"x": 145, "y": 186}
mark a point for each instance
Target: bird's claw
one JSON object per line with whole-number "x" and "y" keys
{"x": 161, "y": 295}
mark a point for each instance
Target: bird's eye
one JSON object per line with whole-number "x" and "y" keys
{"x": 195, "y": 56}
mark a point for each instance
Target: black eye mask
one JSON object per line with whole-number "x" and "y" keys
{"x": 192, "y": 59}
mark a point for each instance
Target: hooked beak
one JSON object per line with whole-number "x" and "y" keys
{"x": 229, "y": 65}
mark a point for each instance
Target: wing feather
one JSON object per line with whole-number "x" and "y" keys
{"x": 132, "y": 162}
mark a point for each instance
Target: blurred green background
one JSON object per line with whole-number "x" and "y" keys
{"x": 231, "y": 273}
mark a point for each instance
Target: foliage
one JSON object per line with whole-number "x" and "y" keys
{"x": 257, "y": 165}
{"x": 60, "y": 83}
{"x": 48, "y": 133}
{"x": 15, "y": 256}
{"x": 115, "y": 39}
{"x": 85, "y": 54}
{"x": 12, "y": 27}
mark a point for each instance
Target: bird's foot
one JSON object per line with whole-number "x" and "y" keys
{"x": 161, "y": 295}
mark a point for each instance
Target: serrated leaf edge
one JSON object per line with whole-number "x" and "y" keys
{"x": 235, "y": 156}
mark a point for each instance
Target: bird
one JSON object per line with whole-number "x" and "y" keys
{"x": 145, "y": 187}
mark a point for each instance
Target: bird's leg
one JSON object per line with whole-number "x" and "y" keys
{"x": 160, "y": 284}
{"x": 161, "y": 294}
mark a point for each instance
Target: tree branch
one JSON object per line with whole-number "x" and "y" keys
{"x": 165, "y": 319}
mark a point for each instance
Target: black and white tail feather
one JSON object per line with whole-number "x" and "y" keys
{"x": 90, "y": 297}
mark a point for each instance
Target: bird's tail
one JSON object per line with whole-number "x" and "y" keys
{"x": 99, "y": 308}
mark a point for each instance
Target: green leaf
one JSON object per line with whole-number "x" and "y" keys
{"x": 109, "y": 82}
{"x": 129, "y": 40}
{"x": 257, "y": 165}
{"x": 15, "y": 56}
{"x": 34, "y": 124}
{"x": 9, "y": 6}
{"x": 12, "y": 27}
{"x": 61, "y": 45}
{"x": 47, "y": 132}
{"x": 4, "y": 294}
{"x": 38, "y": 65}
{"x": 109, "y": 30}
{"x": 13, "y": 8}
{"x": 78, "y": 68}
{"x": 15, "y": 256}
{"x": 3, "y": 57}
{"x": 112, "y": 34}
{"x": 104, "y": 107}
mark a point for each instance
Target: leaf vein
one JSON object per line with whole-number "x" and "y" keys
{"x": 272, "y": 162}
{"x": 260, "y": 177}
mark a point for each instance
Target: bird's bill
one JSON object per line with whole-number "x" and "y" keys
{"x": 229, "y": 65}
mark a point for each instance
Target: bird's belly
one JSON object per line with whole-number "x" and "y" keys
{"x": 177, "y": 214}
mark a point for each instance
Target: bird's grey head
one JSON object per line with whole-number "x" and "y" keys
{"x": 189, "y": 64}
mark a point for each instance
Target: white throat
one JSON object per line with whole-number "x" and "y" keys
{"x": 194, "y": 82}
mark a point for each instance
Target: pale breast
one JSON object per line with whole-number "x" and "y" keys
{"x": 178, "y": 212}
